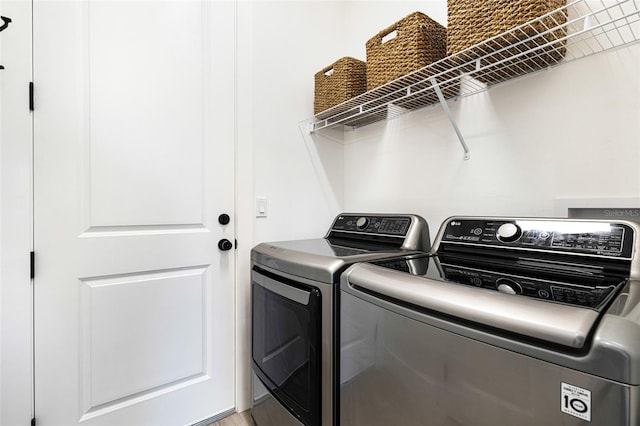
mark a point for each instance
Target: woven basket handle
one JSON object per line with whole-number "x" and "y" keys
{"x": 327, "y": 71}
{"x": 388, "y": 33}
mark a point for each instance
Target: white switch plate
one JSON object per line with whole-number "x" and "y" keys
{"x": 261, "y": 207}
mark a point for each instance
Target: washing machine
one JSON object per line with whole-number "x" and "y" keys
{"x": 508, "y": 321}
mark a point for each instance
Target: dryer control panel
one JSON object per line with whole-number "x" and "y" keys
{"x": 372, "y": 224}
{"x": 599, "y": 238}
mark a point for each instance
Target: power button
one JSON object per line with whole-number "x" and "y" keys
{"x": 509, "y": 232}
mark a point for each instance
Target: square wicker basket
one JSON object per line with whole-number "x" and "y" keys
{"x": 418, "y": 42}
{"x": 471, "y": 23}
{"x": 339, "y": 82}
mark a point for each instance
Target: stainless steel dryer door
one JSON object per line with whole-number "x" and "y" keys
{"x": 401, "y": 365}
{"x": 286, "y": 338}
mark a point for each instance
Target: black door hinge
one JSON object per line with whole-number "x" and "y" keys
{"x": 5, "y": 23}
{"x": 31, "y": 96}
{"x": 32, "y": 263}
{"x": 33, "y": 421}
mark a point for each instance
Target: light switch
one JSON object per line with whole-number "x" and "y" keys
{"x": 261, "y": 207}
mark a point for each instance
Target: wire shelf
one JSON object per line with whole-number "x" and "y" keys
{"x": 581, "y": 28}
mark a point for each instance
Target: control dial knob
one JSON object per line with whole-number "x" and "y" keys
{"x": 362, "y": 222}
{"x": 509, "y": 232}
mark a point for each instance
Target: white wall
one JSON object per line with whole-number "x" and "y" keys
{"x": 292, "y": 40}
{"x": 301, "y": 176}
{"x": 573, "y": 131}
{"x": 281, "y": 45}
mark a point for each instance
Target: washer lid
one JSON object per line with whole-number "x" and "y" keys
{"x": 555, "y": 323}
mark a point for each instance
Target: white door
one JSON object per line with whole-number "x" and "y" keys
{"x": 134, "y": 162}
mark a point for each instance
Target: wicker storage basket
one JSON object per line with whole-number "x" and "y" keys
{"x": 472, "y": 22}
{"x": 419, "y": 41}
{"x": 339, "y": 82}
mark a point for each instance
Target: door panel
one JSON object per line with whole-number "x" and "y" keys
{"x": 133, "y": 161}
{"x": 147, "y": 105}
{"x": 169, "y": 301}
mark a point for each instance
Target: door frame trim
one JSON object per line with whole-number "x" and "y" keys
{"x": 16, "y": 218}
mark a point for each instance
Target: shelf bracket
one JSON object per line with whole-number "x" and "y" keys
{"x": 443, "y": 102}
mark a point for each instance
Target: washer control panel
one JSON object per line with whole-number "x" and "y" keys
{"x": 373, "y": 224}
{"x": 609, "y": 239}
{"x": 572, "y": 294}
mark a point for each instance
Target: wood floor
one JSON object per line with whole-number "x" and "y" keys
{"x": 237, "y": 419}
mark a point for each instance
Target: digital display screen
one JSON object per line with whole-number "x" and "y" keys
{"x": 394, "y": 226}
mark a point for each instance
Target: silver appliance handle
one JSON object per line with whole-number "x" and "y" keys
{"x": 292, "y": 293}
{"x": 551, "y": 322}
